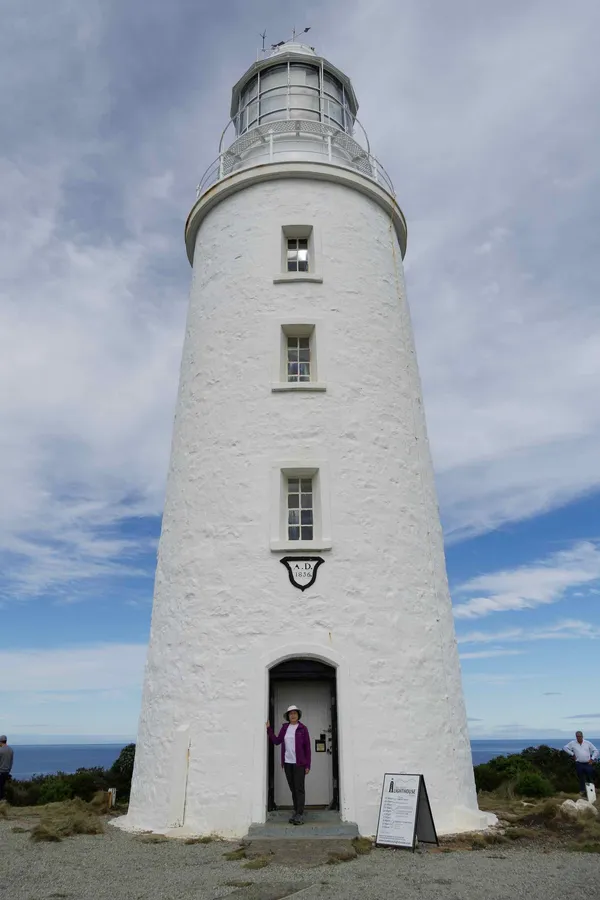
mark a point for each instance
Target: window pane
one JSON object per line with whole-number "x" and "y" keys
{"x": 294, "y": 532}
{"x": 292, "y": 371}
{"x": 293, "y": 342}
{"x": 306, "y": 517}
{"x": 303, "y": 266}
{"x": 304, "y": 342}
{"x": 306, "y": 485}
{"x": 292, "y": 354}
{"x": 293, "y": 501}
{"x": 304, "y": 369}
{"x": 304, "y": 356}
{"x": 275, "y": 77}
{"x": 292, "y": 244}
{"x": 306, "y": 501}
{"x": 303, "y": 378}
{"x": 293, "y": 485}
{"x": 307, "y": 533}
{"x": 292, "y": 254}
{"x": 292, "y": 265}
{"x": 293, "y": 516}
{"x": 303, "y": 243}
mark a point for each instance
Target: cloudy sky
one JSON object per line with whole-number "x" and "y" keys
{"x": 486, "y": 116}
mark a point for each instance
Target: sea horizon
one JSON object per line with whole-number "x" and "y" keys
{"x": 48, "y": 758}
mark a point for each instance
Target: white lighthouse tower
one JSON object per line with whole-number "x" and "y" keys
{"x": 301, "y": 557}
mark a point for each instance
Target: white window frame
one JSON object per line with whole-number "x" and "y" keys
{"x": 314, "y": 330}
{"x": 295, "y": 232}
{"x": 318, "y": 471}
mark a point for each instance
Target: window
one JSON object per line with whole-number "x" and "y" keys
{"x": 300, "y": 512}
{"x": 300, "y": 509}
{"x": 297, "y": 254}
{"x": 298, "y": 362}
{"x": 298, "y": 359}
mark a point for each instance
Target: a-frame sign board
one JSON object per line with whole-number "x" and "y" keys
{"x": 405, "y": 816}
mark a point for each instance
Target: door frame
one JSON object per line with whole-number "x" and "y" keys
{"x": 300, "y": 668}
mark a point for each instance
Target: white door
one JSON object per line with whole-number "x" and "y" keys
{"x": 314, "y": 699}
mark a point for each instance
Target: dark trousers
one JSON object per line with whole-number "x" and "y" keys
{"x": 3, "y": 779}
{"x": 295, "y": 778}
{"x": 585, "y": 772}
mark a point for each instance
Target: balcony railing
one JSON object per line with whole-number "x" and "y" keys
{"x": 316, "y": 142}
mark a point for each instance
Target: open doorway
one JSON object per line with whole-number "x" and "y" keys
{"x": 311, "y": 685}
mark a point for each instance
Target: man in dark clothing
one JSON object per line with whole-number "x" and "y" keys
{"x": 6, "y": 762}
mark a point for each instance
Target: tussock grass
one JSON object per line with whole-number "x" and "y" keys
{"x": 586, "y": 848}
{"x": 152, "y": 838}
{"x": 238, "y": 883}
{"x": 362, "y": 845}
{"x": 259, "y": 863}
{"x": 3, "y": 809}
{"x": 18, "y": 829}
{"x": 205, "y": 839}
{"x": 519, "y": 834}
{"x": 341, "y": 856}
{"x": 240, "y": 853}
{"x": 61, "y": 820}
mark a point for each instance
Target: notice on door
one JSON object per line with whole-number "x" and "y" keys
{"x": 404, "y": 813}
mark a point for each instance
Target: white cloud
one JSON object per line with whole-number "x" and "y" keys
{"x": 488, "y": 654}
{"x": 543, "y": 582}
{"x": 569, "y": 629}
{"x": 94, "y": 667}
{"x": 491, "y": 144}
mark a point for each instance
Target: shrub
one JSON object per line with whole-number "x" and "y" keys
{"x": 487, "y": 778}
{"x": 55, "y": 789}
{"x": 532, "y": 784}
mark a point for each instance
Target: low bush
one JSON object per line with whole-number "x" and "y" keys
{"x": 555, "y": 767}
{"x": 532, "y": 784}
{"x": 83, "y": 784}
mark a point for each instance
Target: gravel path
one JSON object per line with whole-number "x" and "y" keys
{"x": 119, "y": 866}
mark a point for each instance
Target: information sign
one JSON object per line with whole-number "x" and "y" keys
{"x": 404, "y": 812}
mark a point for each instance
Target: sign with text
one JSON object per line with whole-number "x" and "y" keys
{"x": 404, "y": 812}
{"x": 302, "y": 570}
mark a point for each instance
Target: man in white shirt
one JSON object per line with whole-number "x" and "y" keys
{"x": 583, "y": 753}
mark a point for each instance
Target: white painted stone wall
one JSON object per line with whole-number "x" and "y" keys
{"x": 224, "y": 609}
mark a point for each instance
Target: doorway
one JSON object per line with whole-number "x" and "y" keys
{"x": 310, "y": 685}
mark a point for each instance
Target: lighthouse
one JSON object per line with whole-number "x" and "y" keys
{"x": 301, "y": 557}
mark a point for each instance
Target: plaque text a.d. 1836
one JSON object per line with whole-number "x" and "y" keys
{"x": 302, "y": 570}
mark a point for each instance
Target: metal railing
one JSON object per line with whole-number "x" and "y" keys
{"x": 337, "y": 148}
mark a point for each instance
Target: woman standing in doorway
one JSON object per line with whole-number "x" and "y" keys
{"x": 295, "y": 757}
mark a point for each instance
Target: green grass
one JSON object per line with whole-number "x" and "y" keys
{"x": 341, "y": 856}
{"x": 362, "y": 845}
{"x": 240, "y": 853}
{"x": 260, "y": 863}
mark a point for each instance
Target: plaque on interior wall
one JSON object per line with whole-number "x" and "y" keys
{"x": 302, "y": 569}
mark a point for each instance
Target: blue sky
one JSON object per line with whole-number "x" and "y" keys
{"x": 486, "y": 118}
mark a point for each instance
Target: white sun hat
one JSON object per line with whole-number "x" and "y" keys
{"x": 290, "y": 709}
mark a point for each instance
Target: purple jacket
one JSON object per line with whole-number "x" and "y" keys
{"x": 302, "y": 744}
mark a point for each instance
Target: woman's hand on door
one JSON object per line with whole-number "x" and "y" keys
{"x": 268, "y": 724}
{"x": 306, "y": 771}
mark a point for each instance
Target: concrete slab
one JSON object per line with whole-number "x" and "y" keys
{"x": 324, "y": 824}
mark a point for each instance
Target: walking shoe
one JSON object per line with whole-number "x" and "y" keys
{"x": 292, "y": 820}
{"x": 298, "y": 820}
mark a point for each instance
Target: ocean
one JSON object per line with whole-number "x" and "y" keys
{"x": 44, "y": 759}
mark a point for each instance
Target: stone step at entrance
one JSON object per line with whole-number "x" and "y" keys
{"x": 322, "y": 823}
